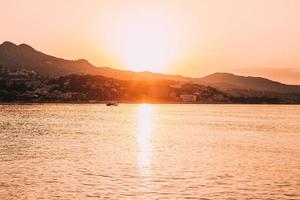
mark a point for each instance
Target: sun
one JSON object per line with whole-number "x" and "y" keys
{"x": 145, "y": 41}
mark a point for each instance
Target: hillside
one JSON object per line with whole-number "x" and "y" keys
{"x": 227, "y": 81}
{"x": 24, "y": 56}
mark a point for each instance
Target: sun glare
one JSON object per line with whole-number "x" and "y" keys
{"x": 145, "y": 41}
{"x": 145, "y": 126}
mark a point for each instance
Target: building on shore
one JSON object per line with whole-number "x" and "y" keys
{"x": 188, "y": 98}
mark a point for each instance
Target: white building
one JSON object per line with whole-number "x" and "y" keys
{"x": 188, "y": 98}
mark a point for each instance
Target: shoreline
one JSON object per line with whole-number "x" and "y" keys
{"x": 155, "y": 103}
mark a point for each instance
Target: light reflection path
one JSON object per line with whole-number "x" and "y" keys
{"x": 145, "y": 128}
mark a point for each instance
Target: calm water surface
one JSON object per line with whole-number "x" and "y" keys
{"x": 149, "y": 152}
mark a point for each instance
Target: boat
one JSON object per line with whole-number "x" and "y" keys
{"x": 112, "y": 103}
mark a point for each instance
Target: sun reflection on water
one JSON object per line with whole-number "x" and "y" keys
{"x": 145, "y": 128}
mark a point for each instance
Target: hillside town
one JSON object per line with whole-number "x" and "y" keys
{"x": 28, "y": 86}
{"x": 21, "y": 85}
{"x": 28, "y": 75}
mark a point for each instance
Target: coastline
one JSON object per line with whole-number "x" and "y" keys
{"x": 131, "y": 102}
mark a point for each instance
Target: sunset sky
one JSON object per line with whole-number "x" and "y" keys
{"x": 188, "y": 37}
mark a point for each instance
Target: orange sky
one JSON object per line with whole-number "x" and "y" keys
{"x": 189, "y": 37}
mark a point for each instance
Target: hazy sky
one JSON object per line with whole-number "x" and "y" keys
{"x": 189, "y": 37}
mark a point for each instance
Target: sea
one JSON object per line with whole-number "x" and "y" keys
{"x": 149, "y": 151}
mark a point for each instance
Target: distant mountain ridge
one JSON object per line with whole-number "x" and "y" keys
{"x": 226, "y": 81}
{"x": 24, "y": 56}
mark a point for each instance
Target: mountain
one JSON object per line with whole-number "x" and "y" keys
{"x": 227, "y": 81}
{"x": 24, "y": 56}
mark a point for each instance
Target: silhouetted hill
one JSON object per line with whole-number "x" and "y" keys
{"x": 24, "y": 56}
{"x": 227, "y": 81}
